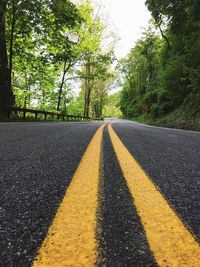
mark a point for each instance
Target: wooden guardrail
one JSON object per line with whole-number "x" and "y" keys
{"x": 11, "y": 111}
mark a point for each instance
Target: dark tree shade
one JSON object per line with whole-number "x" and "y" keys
{"x": 6, "y": 95}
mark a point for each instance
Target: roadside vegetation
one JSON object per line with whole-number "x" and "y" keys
{"x": 161, "y": 74}
{"x": 57, "y": 55}
{"x": 48, "y": 49}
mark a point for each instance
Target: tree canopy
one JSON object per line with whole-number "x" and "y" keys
{"x": 49, "y": 47}
{"x": 44, "y": 46}
{"x": 163, "y": 69}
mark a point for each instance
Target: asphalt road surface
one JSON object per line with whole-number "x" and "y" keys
{"x": 113, "y": 193}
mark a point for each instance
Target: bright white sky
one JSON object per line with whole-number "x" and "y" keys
{"x": 129, "y": 17}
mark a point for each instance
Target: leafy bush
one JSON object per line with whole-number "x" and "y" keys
{"x": 150, "y": 97}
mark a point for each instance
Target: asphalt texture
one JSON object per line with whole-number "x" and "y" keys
{"x": 172, "y": 159}
{"x": 123, "y": 241}
{"x": 37, "y": 163}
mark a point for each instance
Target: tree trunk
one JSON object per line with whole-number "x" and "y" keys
{"x": 6, "y": 94}
{"x": 87, "y": 91}
{"x": 88, "y": 103}
{"x": 85, "y": 99}
{"x": 61, "y": 86}
{"x": 164, "y": 36}
{"x": 11, "y": 41}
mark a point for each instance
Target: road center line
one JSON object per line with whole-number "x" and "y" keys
{"x": 170, "y": 241}
{"x": 71, "y": 238}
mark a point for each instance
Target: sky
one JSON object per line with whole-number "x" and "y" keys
{"x": 129, "y": 17}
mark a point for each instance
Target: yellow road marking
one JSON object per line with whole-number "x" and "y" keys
{"x": 71, "y": 238}
{"x": 169, "y": 240}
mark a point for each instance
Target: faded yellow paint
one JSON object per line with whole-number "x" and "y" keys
{"x": 171, "y": 243}
{"x": 71, "y": 238}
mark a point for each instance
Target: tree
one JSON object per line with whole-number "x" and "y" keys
{"x": 141, "y": 71}
{"x": 64, "y": 30}
{"x": 95, "y": 58}
{"x": 34, "y": 36}
{"x": 46, "y": 43}
{"x": 6, "y": 93}
{"x": 101, "y": 87}
{"x": 181, "y": 20}
{"x": 111, "y": 108}
{"x": 161, "y": 75}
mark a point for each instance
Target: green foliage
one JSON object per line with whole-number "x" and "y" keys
{"x": 48, "y": 44}
{"x": 95, "y": 72}
{"x": 111, "y": 108}
{"x": 161, "y": 72}
{"x": 37, "y": 40}
{"x": 76, "y": 106}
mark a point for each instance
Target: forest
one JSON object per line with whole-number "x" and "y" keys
{"x": 49, "y": 48}
{"x": 161, "y": 74}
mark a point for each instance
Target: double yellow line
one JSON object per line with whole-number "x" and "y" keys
{"x": 71, "y": 239}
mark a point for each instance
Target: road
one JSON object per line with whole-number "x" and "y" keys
{"x": 113, "y": 193}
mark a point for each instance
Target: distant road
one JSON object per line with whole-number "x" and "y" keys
{"x": 113, "y": 193}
